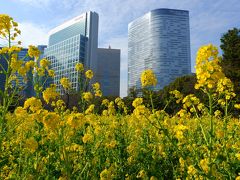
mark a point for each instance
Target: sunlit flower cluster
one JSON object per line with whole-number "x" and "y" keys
{"x": 65, "y": 82}
{"x": 148, "y": 78}
{"x": 208, "y": 70}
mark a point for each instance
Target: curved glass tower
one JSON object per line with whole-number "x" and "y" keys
{"x": 159, "y": 40}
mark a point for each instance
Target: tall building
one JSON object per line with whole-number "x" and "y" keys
{"x": 159, "y": 40}
{"x": 77, "y": 41}
{"x": 73, "y": 41}
{"x": 108, "y": 71}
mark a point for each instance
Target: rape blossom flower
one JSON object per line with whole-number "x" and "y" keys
{"x": 79, "y": 67}
{"x": 89, "y": 74}
{"x": 148, "y": 78}
{"x": 65, "y": 83}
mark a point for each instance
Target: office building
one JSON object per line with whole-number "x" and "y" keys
{"x": 76, "y": 41}
{"x": 159, "y": 40}
{"x": 108, "y": 71}
{"x": 73, "y": 41}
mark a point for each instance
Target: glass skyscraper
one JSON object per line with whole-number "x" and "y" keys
{"x": 159, "y": 40}
{"x": 72, "y": 42}
{"x": 108, "y": 71}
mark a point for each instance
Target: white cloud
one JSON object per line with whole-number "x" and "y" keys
{"x": 37, "y": 3}
{"x": 33, "y": 34}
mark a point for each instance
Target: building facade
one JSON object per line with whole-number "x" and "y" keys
{"x": 108, "y": 71}
{"x": 4, "y": 66}
{"x": 159, "y": 40}
{"x": 73, "y": 41}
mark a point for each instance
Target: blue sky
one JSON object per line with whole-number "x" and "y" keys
{"x": 209, "y": 19}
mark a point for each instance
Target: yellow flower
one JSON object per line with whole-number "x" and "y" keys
{"x": 15, "y": 64}
{"x": 105, "y": 175}
{"x": 8, "y": 25}
{"x": 33, "y": 104}
{"x": 140, "y": 110}
{"x": 137, "y": 102}
{"x": 75, "y": 119}
{"x": 14, "y": 49}
{"x": 29, "y": 65}
{"x": 191, "y": 170}
{"x": 217, "y": 113}
{"x": 44, "y": 63}
{"x": 111, "y": 108}
{"x": 98, "y": 93}
{"x": 4, "y": 50}
{"x": 87, "y": 96}
{"x": 65, "y": 83}
{"x": 51, "y": 121}
{"x": 89, "y": 74}
{"x": 208, "y": 70}
{"x": 96, "y": 86}
{"x": 40, "y": 71}
{"x": 60, "y": 104}
{"x": 31, "y": 144}
{"x": 148, "y": 78}
{"x": 87, "y": 138}
{"x": 179, "y": 130}
{"x": 79, "y": 67}
{"x": 237, "y": 106}
{"x": 177, "y": 95}
{"x": 117, "y": 100}
{"x": 33, "y": 52}
{"x": 105, "y": 102}
{"x": 22, "y": 71}
{"x": 50, "y": 93}
{"x": 182, "y": 163}
{"x": 20, "y": 112}
{"x": 51, "y": 73}
{"x": 142, "y": 174}
{"x": 238, "y": 156}
{"x": 204, "y": 165}
{"x": 90, "y": 109}
{"x": 112, "y": 144}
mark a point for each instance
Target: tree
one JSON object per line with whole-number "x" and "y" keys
{"x": 230, "y": 45}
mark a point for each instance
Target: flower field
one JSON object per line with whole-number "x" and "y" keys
{"x": 201, "y": 141}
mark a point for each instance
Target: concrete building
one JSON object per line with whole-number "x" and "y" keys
{"x": 159, "y": 40}
{"x": 108, "y": 71}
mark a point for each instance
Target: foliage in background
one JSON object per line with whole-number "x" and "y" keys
{"x": 230, "y": 45}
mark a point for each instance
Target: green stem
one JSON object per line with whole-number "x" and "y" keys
{"x": 226, "y": 108}
{"x": 211, "y": 132}
{"x": 151, "y": 99}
